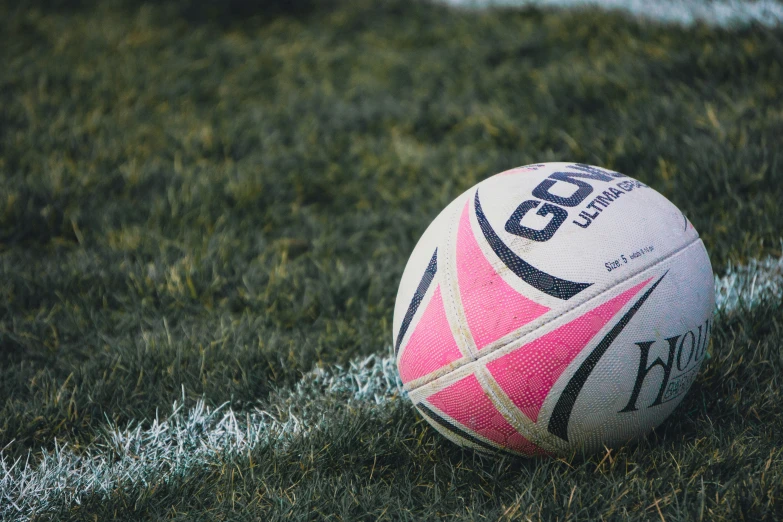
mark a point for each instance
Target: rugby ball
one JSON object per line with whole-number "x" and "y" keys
{"x": 553, "y": 308}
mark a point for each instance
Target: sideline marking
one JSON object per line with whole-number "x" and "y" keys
{"x": 718, "y": 13}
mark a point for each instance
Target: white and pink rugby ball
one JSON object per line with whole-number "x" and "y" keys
{"x": 552, "y": 308}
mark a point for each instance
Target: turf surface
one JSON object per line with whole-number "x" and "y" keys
{"x": 202, "y": 204}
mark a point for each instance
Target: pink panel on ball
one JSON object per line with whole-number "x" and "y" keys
{"x": 431, "y": 345}
{"x": 466, "y": 402}
{"x": 529, "y": 372}
{"x": 493, "y": 309}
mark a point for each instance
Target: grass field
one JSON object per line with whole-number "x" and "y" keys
{"x": 205, "y": 213}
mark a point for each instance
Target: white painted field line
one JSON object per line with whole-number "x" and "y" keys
{"x": 189, "y": 438}
{"x": 718, "y": 13}
{"x": 197, "y": 437}
{"x": 749, "y": 284}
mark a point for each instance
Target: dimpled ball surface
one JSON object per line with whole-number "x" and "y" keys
{"x": 551, "y": 308}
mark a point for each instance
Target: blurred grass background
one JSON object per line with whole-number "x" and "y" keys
{"x": 210, "y": 199}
